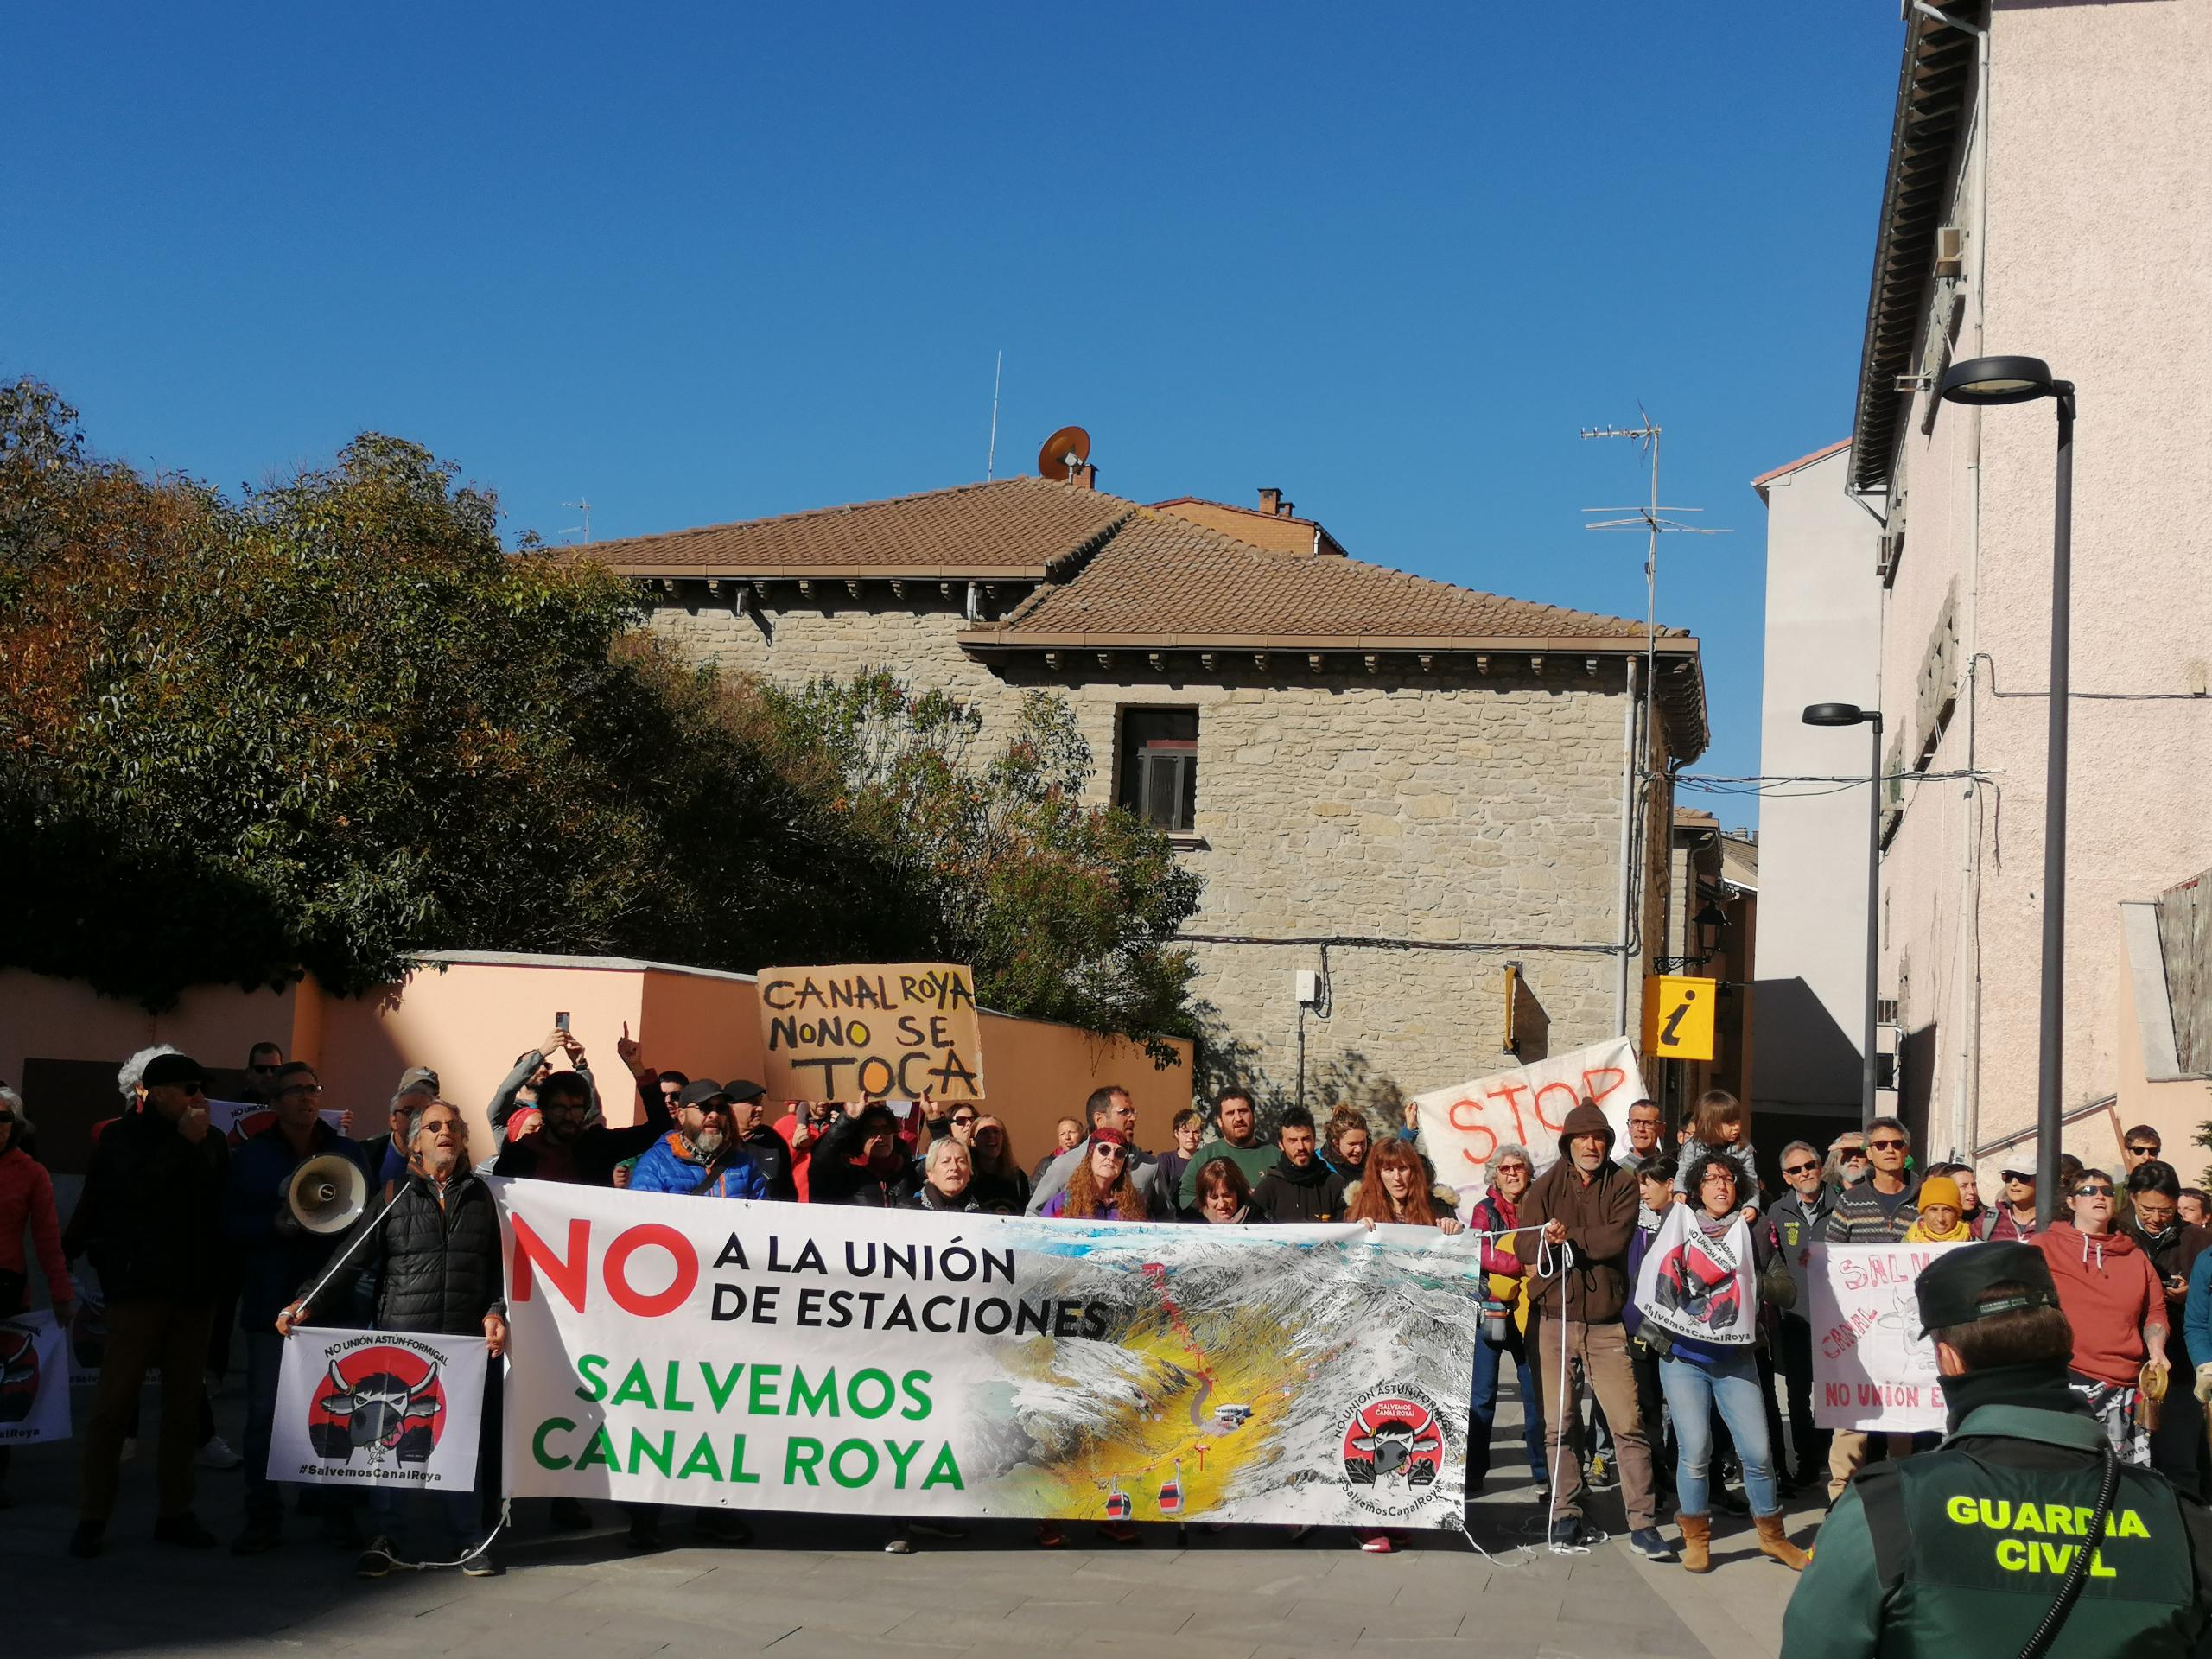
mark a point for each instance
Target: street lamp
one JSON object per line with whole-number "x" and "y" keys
{"x": 1985, "y": 380}
{"x": 1850, "y": 714}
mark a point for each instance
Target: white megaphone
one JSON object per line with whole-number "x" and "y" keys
{"x": 328, "y": 1194}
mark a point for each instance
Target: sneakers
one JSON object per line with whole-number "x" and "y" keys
{"x": 258, "y": 1538}
{"x": 1566, "y": 1532}
{"x": 899, "y": 1544}
{"x": 376, "y": 1560}
{"x": 217, "y": 1454}
{"x": 1602, "y": 1474}
{"x": 1647, "y": 1543}
{"x": 482, "y": 1565}
{"x": 184, "y": 1531}
{"x": 1729, "y": 1500}
{"x": 89, "y": 1539}
{"x": 1375, "y": 1543}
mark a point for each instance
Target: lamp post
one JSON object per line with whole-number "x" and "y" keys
{"x": 1850, "y": 714}
{"x": 1989, "y": 381}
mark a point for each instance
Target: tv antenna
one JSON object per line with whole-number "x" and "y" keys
{"x": 581, "y": 504}
{"x": 1653, "y": 521}
{"x": 990, "y": 461}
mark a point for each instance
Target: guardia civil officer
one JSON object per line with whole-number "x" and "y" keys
{"x": 1975, "y": 1547}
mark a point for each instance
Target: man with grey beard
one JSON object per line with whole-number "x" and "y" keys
{"x": 432, "y": 1237}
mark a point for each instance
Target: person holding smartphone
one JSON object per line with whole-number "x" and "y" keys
{"x": 2177, "y": 1444}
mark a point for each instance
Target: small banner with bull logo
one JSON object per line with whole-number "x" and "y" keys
{"x": 359, "y": 1406}
{"x": 34, "y": 1379}
{"x": 1699, "y": 1288}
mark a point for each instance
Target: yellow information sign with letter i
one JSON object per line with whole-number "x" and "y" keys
{"x": 1678, "y": 1017}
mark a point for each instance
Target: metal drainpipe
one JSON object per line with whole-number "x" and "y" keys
{"x": 1628, "y": 812}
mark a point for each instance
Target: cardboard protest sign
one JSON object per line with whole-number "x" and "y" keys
{"x": 1696, "y": 1287}
{"x": 872, "y": 1030}
{"x": 359, "y": 1408}
{"x": 34, "y": 1379}
{"x": 239, "y": 1121}
{"x": 744, "y": 1355}
{"x": 1872, "y": 1371}
{"x": 1462, "y": 1128}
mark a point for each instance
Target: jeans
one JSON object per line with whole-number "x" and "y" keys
{"x": 456, "y": 1513}
{"x": 1482, "y": 1408}
{"x": 1603, "y": 1350}
{"x": 1732, "y": 1384}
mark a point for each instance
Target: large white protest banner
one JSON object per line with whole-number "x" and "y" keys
{"x": 1462, "y": 1128}
{"x": 357, "y": 1408}
{"x": 1872, "y": 1371}
{"x": 34, "y": 1379}
{"x": 773, "y": 1355}
{"x": 1699, "y": 1288}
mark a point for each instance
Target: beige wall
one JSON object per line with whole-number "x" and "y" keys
{"x": 1441, "y": 808}
{"x": 2098, "y": 257}
{"x": 469, "y": 1017}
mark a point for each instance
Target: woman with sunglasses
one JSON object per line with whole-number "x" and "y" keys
{"x": 1100, "y": 1189}
{"x": 1000, "y": 1187}
{"x": 27, "y": 1205}
{"x": 2111, "y": 1295}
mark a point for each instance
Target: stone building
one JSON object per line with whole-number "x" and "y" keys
{"x": 1390, "y": 785}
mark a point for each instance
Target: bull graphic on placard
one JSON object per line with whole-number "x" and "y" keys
{"x": 378, "y": 1410}
{"x": 18, "y": 1373}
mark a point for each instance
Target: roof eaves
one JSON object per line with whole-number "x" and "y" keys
{"x": 1932, "y": 86}
{"x": 1789, "y": 466}
{"x": 1008, "y": 638}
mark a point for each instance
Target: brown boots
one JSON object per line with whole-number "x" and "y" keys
{"x": 1774, "y": 1541}
{"x": 1697, "y": 1541}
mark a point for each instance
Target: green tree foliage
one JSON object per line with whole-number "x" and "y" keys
{"x": 1068, "y": 911}
{"x": 331, "y": 723}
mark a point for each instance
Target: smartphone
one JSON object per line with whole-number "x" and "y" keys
{"x": 561, "y": 1023}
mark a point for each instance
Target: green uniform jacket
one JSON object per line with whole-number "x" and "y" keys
{"x": 1842, "y": 1609}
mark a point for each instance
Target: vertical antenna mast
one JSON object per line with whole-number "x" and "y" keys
{"x": 991, "y": 461}
{"x": 581, "y": 504}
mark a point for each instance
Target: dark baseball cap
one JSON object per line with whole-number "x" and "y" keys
{"x": 417, "y": 1079}
{"x": 701, "y": 1092}
{"x": 1954, "y": 1288}
{"x": 744, "y": 1088}
{"x": 172, "y": 1068}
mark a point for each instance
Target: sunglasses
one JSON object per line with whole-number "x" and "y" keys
{"x": 299, "y": 1088}
{"x": 194, "y": 1090}
{"x": 2016, "y": 1178}
{"x": 961, "y": 1122}
{"x": 2145, "y": 1152}
{"x": 1885, "y": 1145}
{"x": 2092, "y": 1190}
{"x": 1119, "y": 1155}
{"x": 7, "y": 1117}
{"x": 1798, "y": 1169}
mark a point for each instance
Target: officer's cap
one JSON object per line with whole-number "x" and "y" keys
{"x": 1954, "y": 1288}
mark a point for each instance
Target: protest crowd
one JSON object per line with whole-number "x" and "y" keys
{"x": 201, "y": 1264}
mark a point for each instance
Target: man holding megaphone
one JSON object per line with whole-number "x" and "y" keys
{"x": 293, "y": 1189}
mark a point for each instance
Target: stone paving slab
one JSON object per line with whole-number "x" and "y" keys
{"x": 820, "y": 1587}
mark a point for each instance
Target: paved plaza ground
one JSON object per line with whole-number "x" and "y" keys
{"x": 821, "y": 1585}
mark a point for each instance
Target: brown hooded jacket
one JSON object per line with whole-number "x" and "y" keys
{"x": 1598, "y": 1212}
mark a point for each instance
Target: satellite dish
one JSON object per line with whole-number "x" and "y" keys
{"x": 1065, "y": 451}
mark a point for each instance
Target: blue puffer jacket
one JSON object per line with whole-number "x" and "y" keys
{"x": 274, "y": 1264}
{"x": 671, "y": 1167}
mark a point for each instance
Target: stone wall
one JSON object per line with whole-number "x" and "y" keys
{"x": 1421, "y": 814}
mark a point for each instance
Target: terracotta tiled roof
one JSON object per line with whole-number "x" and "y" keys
{"x": 1822, "y": 454}
{"x": 1164, "y": 582}
{"x": 1278, "y": 532}
{"x": 1015, "y": 527}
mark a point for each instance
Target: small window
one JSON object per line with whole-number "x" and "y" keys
{"x": 1158, "y": 777}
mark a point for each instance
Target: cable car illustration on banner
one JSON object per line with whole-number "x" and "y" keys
{"x": 1171, "y": 1493}
{"x": 1118, "y": 1507}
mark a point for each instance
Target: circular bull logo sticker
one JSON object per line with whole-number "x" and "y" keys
{"x": 19, "y": 1374}
{"x": 1393, "y": 1451}
{"x": 379, "y": 1403}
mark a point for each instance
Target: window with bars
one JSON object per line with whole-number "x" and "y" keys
{"x": 1159, "y": 774}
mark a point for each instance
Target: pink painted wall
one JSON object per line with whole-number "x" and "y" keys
{"x": 469, "y": 1016}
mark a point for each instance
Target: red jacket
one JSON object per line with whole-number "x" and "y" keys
{"x": 27, "y": 1200}
{"x": 2109, "y": 1291}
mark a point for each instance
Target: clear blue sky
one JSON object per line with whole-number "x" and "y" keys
{"x": 710, "y": 266}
